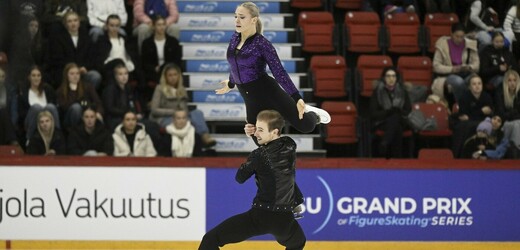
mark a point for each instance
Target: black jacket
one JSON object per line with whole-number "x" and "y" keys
{"x": 507, "y": 114}
{"x": 274, "y": 167}
{"x": 37, "y": 146}
{"x": 79, "y": 141}
{"x": 172, "y": 54}
{"x": 490, "y": 60}
{"x": 23, "y": 101}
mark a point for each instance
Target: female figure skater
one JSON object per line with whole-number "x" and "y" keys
{"x": 248, "y": 54}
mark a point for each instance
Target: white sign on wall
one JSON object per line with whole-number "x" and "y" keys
{"x": 102, "y": 203}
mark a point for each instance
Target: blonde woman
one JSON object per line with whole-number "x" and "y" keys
{"x": 170, "y": 94}
{"x": 49, "y": 140}
{"x": 507, "y": 100}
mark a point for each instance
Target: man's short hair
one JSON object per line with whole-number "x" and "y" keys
{"x": 273, "y": 119}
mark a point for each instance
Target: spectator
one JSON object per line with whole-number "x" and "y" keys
{"x": 389, "y": 108}
{"x": 481, "y": 20}
{"x": 112, "y": 48}
{"x": 74, "y": 95}
{"x": 38, "y": 45}
{"x": 144, "y": 12}
{"x": 170, "y": 94}
{"x": 119, "y": 97}
{"x": 98, "y": 13}
{"x": 56, "y": 9}
{"x": 509, "y": 146}
{"x": 512, "y": 28}
{"x": 35, "y": 97}
{"x": 474, "y": 106}
{"x": 7, "y": 131}
{"x": 455, "y": 58}
{"x": 72, "y": 45}
{"x": 49, "y": 140}
{"x": 507, "y": 97}
{"x": 185, "y": 142}
{"x": 159, "y": 50}
{"x": 90, "y": 138}
{"x": 480, "y": 141}
{"x": 131, "y": 139}
{"x": 495, "y": 60}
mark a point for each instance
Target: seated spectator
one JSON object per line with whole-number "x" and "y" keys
{"x": 119, "y": 97}
{"x": 169, "y": 94}
{"x": 38, "y": 46}
{"x": 185, "y": 142}
{"x": 48, "y": 140}
{"x": 74, "y": 95}
{"x": 56, "y": 9}
{"x": 72, "y": 45}
{"x": 7, "y": 131}
{"x": 112, "y": 48}
{"x": 91, "y": 138}
{"x": 479, "y": 141}
{"x": 158, "y": 50}
{"x": 474, "y": 106}
{"x": 144, "y": 12}
{"x": 98, "y": 13}
{"x": 131, "y": 139}
{"x": 512, "y": 28}
{"x": 495, "y": 60}
{"x": 509, "y": 146}
{"x": 507, "y": 97}
{"x": 455, "y": 58}
{"x": 389, "y": 108}
{"x": 480, "y": 21}
{"x": 35, "y": 97}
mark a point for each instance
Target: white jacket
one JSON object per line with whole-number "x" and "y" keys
{"x": 143, "y": 145}
{"x": 99, "y": 10}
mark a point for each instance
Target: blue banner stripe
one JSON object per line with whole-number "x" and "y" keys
{"x": 223, "y": 36}
{"x": 223, "y": 7}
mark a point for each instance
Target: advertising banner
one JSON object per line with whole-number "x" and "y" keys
{"x": 219, "y": 50}
{"x": 223, "y": 36}
{"x": 223, "y": 7}
{"x": 102, "y": 203}
{"x": 223, "y": 66}
{"x": 226, "y": 21}
{"x": 212, "y": 80}
{"x": 389, "y": 205}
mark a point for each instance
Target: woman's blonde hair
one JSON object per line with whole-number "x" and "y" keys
{"x": 255, "y": 12}
{"x": 166, "y": 88}
{"x": 509, "y": 98}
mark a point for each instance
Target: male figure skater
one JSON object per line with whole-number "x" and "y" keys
{"x": 273, "y": 165}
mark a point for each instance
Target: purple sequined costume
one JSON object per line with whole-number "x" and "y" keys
{"x": 259, "y": 90}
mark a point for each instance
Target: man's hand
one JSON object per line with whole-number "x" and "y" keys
{"x": 249, "y": 129}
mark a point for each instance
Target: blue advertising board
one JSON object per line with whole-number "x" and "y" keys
{"x": 388, "y": 205}
{"x": 223, "y": 66}
{"x": 223, "y": 36}
{"x": 223, "y": 7}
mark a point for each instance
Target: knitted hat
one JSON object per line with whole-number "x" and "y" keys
{"x": 485, "y": 126}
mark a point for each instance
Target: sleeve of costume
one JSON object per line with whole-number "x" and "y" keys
{"x": 280, "y": 74}
{"x": 248, "y": 168}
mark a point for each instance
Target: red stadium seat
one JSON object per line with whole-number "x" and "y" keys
{"x": 348, "y": 4}
{"x": 435, "y": 153}
{"x": 416, "y": 69}
{"x": 307, "y": 4}
{"x": 437, "y": 25}
{"x": 342, "y": 129}
{"x": 10, "y": 150}
{"x": 329, "y": 76}
{"x": 403, "y": 33}
{"x": 441, "y": 116}
{"x": 361, "y": 33}
{"x": 317, "y": 31}
{"x": 368, "y": 70}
